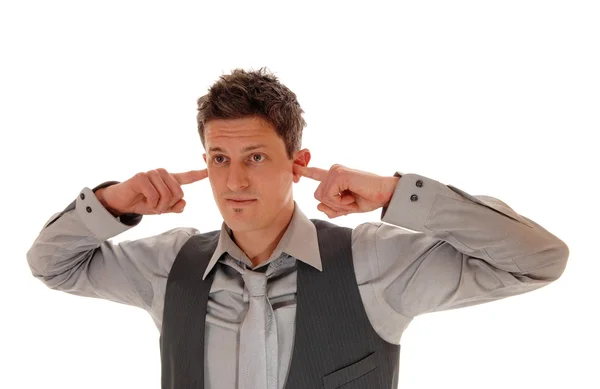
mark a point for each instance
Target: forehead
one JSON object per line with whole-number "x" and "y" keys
{"x": 252, "y": 126}
{"x": 234, "y": 134}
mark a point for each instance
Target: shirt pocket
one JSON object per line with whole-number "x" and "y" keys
{"x": 354, "y": 376}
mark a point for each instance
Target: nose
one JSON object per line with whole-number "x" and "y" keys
{"x": 237, "y": 178}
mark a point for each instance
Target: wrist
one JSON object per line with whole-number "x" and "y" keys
{"x": 390, "y": 187}
{"x": 101, "y": 196}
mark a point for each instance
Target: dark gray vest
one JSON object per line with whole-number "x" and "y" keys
{"x": 335, "y": 345}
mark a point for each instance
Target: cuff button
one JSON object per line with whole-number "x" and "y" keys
{"x": 82, "y": 196}
{"x": 419, "y": 183}
{"x": 414, "y": 197}
{"x": 89, "y": 209}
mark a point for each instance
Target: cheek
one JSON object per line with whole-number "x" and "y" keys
{"x": 214, "y": 184}
{"x": 283, "y": 181}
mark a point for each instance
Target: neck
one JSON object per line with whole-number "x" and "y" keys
{"x": 258, "y": 245}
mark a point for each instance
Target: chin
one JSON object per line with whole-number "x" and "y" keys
{"x": 240, "y": 221}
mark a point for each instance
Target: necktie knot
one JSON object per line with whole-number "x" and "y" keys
{"x": 255, "y": 282}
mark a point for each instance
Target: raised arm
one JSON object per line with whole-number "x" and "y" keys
{"x": 459, "y": 249}
{"x": 73, "y": 251}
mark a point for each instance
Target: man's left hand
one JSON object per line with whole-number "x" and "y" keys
{"x": 343, "y": 190}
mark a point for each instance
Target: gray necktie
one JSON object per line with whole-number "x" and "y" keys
{"x": 257, "y": 363}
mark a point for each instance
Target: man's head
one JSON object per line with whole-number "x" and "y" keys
{"x": 242, "y": 110}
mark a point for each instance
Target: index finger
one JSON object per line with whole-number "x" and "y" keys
{"x": 191, "y": 176}
{"x": 311, "y": 172}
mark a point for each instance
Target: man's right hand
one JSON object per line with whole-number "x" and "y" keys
{"x": 150, "y": 193}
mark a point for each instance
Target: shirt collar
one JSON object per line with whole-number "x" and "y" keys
{"x": 299, "y": 240}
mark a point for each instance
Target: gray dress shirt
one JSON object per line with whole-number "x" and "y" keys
{"x": 436, "y": 248}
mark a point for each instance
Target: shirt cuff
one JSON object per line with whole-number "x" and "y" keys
{"x": 411, "y": 202}
{"x": 98, "y": 220}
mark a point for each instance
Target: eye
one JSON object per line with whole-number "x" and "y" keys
{"x": 217, "y": 156}
{"x": 260, "y": 155}
{"x": 260, "y": 159}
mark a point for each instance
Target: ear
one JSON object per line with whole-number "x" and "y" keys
{"x": 302, "y": 158}
{"x": 204, "y": 156}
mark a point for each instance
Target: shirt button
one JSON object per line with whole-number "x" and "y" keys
{"x": 419, "y": 183}
{"x": 414, "y": 197}
{"x": 82, "y": 196}
{"x": 89, "y": 209}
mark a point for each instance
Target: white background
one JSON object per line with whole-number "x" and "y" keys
{"x": 496, "y": 98}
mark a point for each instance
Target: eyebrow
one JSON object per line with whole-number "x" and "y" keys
{"x": 245, "y": 149}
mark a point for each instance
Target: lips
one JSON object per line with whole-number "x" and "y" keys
{"x": 239, "y": 199}
{"x": 240, "y": 203}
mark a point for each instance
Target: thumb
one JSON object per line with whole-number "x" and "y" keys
{"x": 178, "y": 206}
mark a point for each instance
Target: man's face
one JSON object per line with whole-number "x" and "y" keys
{"x": 238, "y": 169}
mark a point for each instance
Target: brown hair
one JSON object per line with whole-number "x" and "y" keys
{"x": 254, "y": 93}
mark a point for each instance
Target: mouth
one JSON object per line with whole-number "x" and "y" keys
{"x": 240, "y": 202}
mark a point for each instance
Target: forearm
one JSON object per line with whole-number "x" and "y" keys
{"x": 478, "y": 226}
{"x": 66, "y": 241}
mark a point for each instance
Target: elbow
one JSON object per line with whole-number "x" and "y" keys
{"x": 561, "y": 261}
{"x": 37, "y": 263}
{"x": 556, "y": 260}
{"x": 34, "y": 262}
{"x": 40, "y": 265}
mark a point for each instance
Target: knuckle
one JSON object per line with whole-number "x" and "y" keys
{"x": 168, "y": 196}
{"x": 141, "y": 176}
{"x": 164, "y": 204}
{"x": 336, "y": 167}
{"x": 178, "y": 193}
{"x": 176, "y": 188}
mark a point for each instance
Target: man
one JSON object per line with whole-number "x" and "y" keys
{"x": 273, "y": 299}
